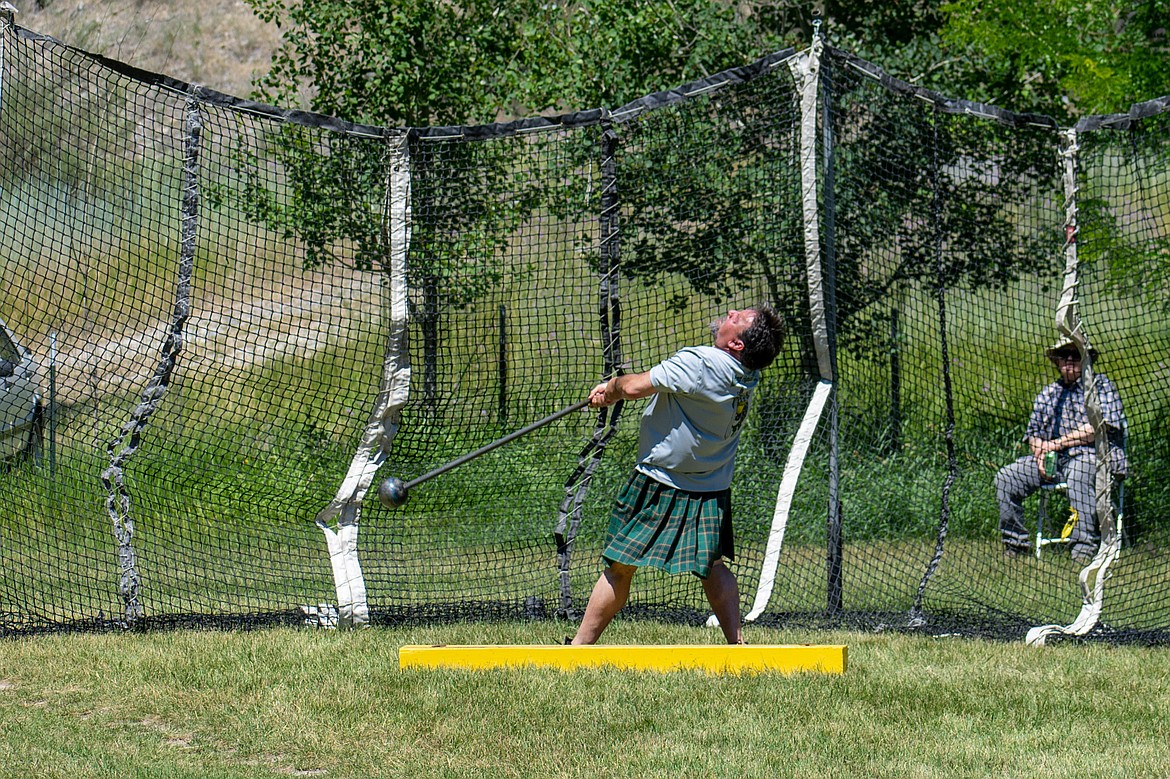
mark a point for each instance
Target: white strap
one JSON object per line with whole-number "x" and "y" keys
{"x": 792, "y": 468}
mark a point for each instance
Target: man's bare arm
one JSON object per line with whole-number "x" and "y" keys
{"x": 631, "y": 386}
{"x": 1081, "y": 436}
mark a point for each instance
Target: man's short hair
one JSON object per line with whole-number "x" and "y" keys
{"x": 763, "y": 339}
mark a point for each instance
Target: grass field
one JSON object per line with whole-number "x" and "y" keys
{"x": 335, "y": 704}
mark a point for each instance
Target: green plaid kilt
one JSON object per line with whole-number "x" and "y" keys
{"x": 658, "y": 526}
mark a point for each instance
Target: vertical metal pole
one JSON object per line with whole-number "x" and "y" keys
{"x": 7, "y": 19}
{"x": 834, "y": 552}
{"x": 8, "y": 23}
{"x": 895, "y": 381}
{"x": 917, "y": 617}
{"x": 609, "y": 320}
{"x": 52, "y": 411}
{"x": 502, "y": 367}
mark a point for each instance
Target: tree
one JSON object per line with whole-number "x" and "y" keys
{"x": 393, "y": 64}
{"x": 402, "y": 63}
{"x": 433, "y": 63}
{"x": 1063, "y": 56}
{"x": 1071, "y": 58}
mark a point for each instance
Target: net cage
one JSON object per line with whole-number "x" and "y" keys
{"x": 226, "y": 323}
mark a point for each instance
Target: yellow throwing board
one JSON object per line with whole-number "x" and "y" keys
{"x": 774, "y": 658}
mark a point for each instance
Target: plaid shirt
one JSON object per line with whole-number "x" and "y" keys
{"x": 1072, "y": 415}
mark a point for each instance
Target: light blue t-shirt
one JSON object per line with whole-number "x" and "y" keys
{"x": 690, "y": 428}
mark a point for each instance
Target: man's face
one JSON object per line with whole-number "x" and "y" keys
{"x": 730, "y": 327}
{"x": 1069, "y": 365}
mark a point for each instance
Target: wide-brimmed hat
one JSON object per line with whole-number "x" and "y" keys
{"x": 1066, "y": 345}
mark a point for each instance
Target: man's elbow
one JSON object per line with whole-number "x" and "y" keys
{"x": 637, "y": 386}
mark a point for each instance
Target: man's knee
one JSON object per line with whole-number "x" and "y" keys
{"x": 718, "y": 574}
{"x": 1007, "y": 478}
{"x": 1012, "y": 483}
{"x": 620, "y": 570}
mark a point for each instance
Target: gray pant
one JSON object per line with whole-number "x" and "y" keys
{"x": 1018, "y": 480}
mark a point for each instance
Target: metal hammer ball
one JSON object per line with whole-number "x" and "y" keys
{"x": 392, "y": 492}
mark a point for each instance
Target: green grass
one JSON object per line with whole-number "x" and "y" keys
{"x": 335, "y": 704}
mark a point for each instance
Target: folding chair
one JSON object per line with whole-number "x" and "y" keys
{"x": 1042, "y": 540}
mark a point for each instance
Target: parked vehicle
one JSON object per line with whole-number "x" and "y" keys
{"x": 22, "y": 418}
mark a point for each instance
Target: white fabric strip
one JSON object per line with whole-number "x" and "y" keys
{"x": 1092, "y": 595}
{"x": 382, "y": 424}
{"x": 796, "y": 457}
{"x": 806, "y": 72}
{"x": 1069, "y": 323}
{"x": 1066, "y": 313}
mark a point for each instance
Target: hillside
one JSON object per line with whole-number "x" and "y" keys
{"x": 216, "y": 43}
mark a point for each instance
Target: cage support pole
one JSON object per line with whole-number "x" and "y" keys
{"x": 609, "y": 321}
{"x": 805, "y": 70}
{"x": 834, "y": 552}
{"x": 916, "y": 617}
{"x": 502, "y": 368}
{"x": 382, "y": 424}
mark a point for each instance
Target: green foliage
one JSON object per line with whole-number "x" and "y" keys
{"x": 1062, "y": 58}
{"x": 722, "y": 218}
{"x": 49, "y": 144}
{"x": 428, "y": 62}
{"x": 1134, "y": 251}
{"x": 940, "y": 213}
{"x": 416, "y": 62}
{"x": 1054, "y": 55}
{"x": 595, "y": 53}
{"x": 901, "y": 36}
{"x": 326, "y": 198}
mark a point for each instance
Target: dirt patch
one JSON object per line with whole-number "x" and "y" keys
{"x": 218, "y": 44}
{"x": 221, "y": 334}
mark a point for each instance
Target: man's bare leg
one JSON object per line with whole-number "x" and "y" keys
{"x": 606, "y": 600}
{"x": 723, "y": 594}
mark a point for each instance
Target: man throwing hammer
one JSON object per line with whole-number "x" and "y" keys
{"x": 675, "y": 511}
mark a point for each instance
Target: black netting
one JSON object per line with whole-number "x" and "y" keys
{"x": 207, "y": 293}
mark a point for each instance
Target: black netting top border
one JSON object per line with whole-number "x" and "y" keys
{"x": 712, "y": 83}
{"x": 212, "y": 97}
{"x": 629, "y": 111}
{"x": 1120, "y": 121}
{"x": 523, "y": 126}
{"x": 1137, "y": 111}
{"x": 625, "y": 113}
{"x": 942, "y": 102}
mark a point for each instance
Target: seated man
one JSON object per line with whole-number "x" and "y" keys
{"x": 1060, "y": 424}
